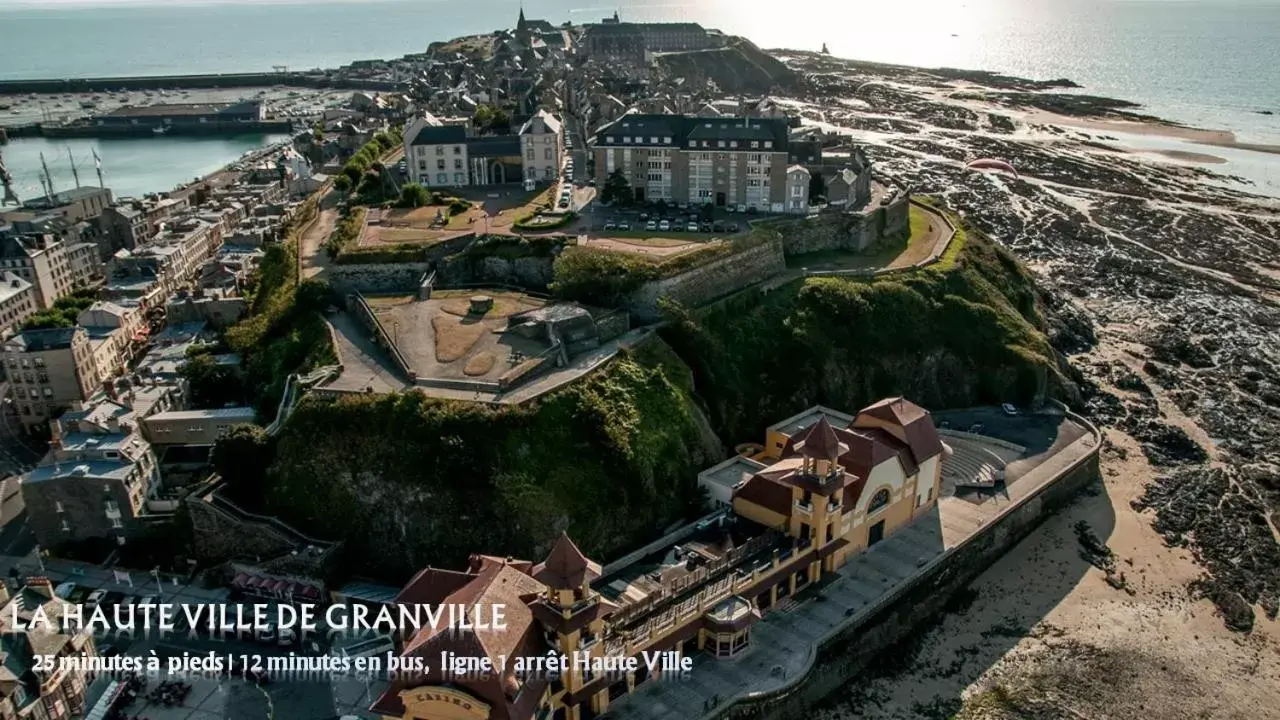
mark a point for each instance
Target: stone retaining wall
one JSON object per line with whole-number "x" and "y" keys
{"x": 612, "y": 325}
{"x": 712, "y": 280}
{"x": 369, "y": 319}
{"x": 849, "y": 231}
{"x": 851, "y": 650}
{"x": 381, "y": 279}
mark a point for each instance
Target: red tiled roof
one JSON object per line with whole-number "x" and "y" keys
{"x": 820, "y": 441}
{"x": 432, "y": 585}
{"x": 499, "y": 584}
{"x": 566, "y": 567}
{"x": 917, "y": 425}
{"x": 766, "y": 492}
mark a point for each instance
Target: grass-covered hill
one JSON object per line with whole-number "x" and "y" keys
{"x": 408, "y": 481}
{"x": 966, "y": 331}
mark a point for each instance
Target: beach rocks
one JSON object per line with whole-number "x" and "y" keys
{"x": 1165, "y": 263}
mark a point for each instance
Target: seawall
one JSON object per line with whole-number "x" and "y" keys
{"x": 840, "y": 657}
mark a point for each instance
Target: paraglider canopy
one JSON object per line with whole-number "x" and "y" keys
{"x": 991, "y": 164}
{"x": 870, "y": 83}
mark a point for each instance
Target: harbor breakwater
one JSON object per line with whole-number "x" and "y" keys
{"x": 193, "y": 82}
{"x": 93, "y": 130}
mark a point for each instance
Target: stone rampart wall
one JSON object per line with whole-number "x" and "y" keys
{"x": 712, "y": 280}
{"x": 378, "y": 279}
{"x": 851, "y": 231}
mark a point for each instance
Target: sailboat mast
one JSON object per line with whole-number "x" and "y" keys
{"x": 48, "y": 184}
{"x": 97, "y": 164}
{"x": 74, "y": 173}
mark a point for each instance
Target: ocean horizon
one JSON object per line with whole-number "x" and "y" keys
{"x": 1206, "y": 63}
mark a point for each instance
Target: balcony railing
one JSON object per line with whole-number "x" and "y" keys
{"x": 804, "y": 507}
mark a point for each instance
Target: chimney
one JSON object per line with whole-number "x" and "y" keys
{"x": 41, "y": 584}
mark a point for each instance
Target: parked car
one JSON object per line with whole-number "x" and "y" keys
{"x": 1009, "y": 409}
{"x": 651, "y": 225}
{"x": 717, "y": 226}
{"x": 611, "y": 226}
{"x": 977, "y": 428}
{"x": 664, "y": 225}
{"x": 564, "y": 203}
{"x": 731, "y": 227}
{"x": 644, "y": 216}
{"x": 742, "y": 208}
{"x": 706, "y": 227}
{"x": 692, "y": 227}
{"x": 95, "y": 599}
{"x": 624, "y": 226}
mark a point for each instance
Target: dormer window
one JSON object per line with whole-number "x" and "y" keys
{"x": 755, "y": 143}
{"x": 733, "y": 143}
{"x": 666, "y": 141}
{"x": 653, "y": 141}
{"x": 693, "y": 143}
{"x": 612, "y": 139}
{"x": 768, "y": 144}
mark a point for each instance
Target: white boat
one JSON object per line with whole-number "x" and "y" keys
{"x": 160, "y": 130}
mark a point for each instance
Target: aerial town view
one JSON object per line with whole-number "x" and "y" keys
{"x": 753, "y": 374}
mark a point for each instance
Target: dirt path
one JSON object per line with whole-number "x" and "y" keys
{"x": 314, "y": 260}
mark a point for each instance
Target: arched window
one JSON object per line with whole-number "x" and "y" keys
{"x": 879, "y": 500}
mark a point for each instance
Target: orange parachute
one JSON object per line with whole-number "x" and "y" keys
{"x": 991, "y": 164}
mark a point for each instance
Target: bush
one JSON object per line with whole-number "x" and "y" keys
{"x": 279, "y": 337}
{"x": 414, "y": 195}
{"x": 345, "y": 233}
{"x": 599, "y": 277}
{"x": 458, "y": 206}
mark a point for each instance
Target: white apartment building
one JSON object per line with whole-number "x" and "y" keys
{"x": 542, "y": 147}
{"x": 42, "y": 261}
{"x": 436, "y": 154}
{"x": 17, "y": 303}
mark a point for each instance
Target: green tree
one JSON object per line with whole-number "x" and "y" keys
{"x": 242, "y": 457}
{"x": 491, "y": 118}
{"x": 313, "y": 296}
{"x": 413, "y": 195}
{"x": 212, "y": 385}
{"x": 616, "y": 189}
{"x": 342, "y": 183}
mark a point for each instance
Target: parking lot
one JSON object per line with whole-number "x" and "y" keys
{"x": 683, "y": 222}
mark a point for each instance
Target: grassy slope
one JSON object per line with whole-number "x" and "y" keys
{"x": 962, "y": 333}
{"x": 408, "y": 480}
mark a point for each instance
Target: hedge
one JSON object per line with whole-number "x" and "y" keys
{"x": 402, "y": 253}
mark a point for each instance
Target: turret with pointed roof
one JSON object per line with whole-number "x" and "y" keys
{"x": 566, "y": 568}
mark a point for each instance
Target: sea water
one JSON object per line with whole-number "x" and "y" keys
{"x": 1209, "y": 63}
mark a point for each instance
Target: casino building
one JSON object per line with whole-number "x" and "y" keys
{"x": 823, "y": 487}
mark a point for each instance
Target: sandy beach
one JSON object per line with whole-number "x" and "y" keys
{"x": 1217, "y": 138}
